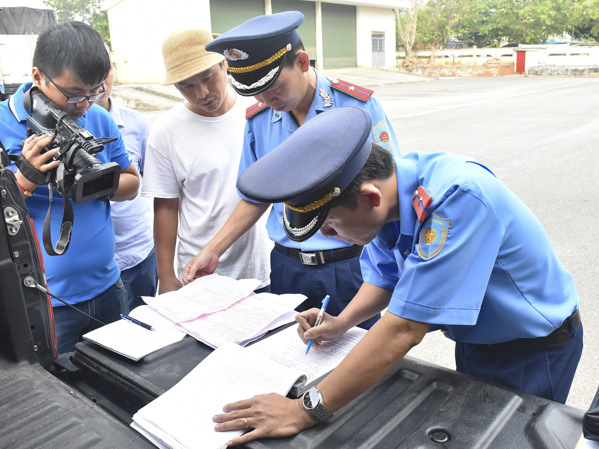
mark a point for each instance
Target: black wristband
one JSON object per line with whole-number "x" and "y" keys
{"x": 29, "y": 171}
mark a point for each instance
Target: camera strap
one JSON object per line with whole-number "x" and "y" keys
{"x": 29, "y": 171}
{"x": 65, "y": 229}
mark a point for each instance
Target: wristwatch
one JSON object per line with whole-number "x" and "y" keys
{"x": 313, "y": 403}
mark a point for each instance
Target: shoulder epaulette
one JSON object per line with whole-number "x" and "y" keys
{"x": 361, "y": 93}
{"x": 254, "y": 109}
{"x": 421, "y": 201}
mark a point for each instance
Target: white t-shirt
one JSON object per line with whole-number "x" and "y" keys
{"x": 196, "y": 159}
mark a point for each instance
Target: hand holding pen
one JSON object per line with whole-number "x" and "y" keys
{"x": 325, "y": 303}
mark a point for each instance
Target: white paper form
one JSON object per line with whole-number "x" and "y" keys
{"x": 134, "y": 341}
{"x": 205, "y": 295}
{"x": 182, "y": 417}
{"x": 245, "y": 320}
{"x": 286, "y": 348}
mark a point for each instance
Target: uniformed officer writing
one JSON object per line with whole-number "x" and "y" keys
{"x": 448, "y": 247}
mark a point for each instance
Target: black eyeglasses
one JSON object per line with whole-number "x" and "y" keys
{"x": 72, "y": 99}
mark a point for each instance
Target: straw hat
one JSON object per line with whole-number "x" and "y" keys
{"x": 185, "y": 56}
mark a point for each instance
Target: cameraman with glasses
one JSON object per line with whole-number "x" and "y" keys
{"x": 70, "y": 64}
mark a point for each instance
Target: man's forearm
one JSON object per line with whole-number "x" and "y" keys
{"x": 369, "y": 301}
{"x": 385, "y": 344}
{"x": 166, "y": 224}
{"x": 128, "y": 185}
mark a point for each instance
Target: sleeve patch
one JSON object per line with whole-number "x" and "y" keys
{"x": 254, "y": 109}
{"x": 361, "y": 93}
{"x": 433, "y": 236}
{"x": 382, "y": 135}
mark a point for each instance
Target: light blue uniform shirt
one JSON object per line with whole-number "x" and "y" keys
{"x": 480, "y": 266}
{"x": 267, "y": 129}
{"x": 133, "y": 219}
{"x": 88, "y": 267}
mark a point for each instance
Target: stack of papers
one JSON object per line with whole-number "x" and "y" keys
{"x": 182, "y": 417}
{"x": 217, "y": 310}
{"x": 134, "y": 341}
{"x": 214, "y": 309}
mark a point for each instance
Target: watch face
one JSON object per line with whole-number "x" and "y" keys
{"x": 314, "y": 398}
{"x": 311, "y": 399}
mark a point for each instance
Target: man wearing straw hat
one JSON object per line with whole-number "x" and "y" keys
{"x": 191, "y": 165}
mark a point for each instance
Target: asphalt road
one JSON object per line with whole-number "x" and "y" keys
{"x": 539, "y": 135}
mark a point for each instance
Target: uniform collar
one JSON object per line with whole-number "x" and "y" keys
{"x": 323, "y": 100}
{"x": 407, "y": 182}
{"x": 323, "y": 96}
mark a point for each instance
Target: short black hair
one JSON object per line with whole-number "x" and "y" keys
{"x": 378, "y": 166}
{"x": 72, "y": 46}
{"x": 290, "y": 56}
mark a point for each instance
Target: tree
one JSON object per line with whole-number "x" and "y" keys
{"x": 87, "y": 11}
{"x": 407, "y": 21}
{"x": 520, "y": 21}
{"x": 441, "y": 19}
{"x": 585, "y": 23}
{"x": 485, "y": 23}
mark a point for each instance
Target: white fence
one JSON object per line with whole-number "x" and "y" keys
{"x": 553, "y": 55}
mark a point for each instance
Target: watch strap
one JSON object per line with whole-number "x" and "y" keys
{"x": 318, "y": 410}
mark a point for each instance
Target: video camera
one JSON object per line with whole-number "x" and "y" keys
{"x": 79, "y": 174}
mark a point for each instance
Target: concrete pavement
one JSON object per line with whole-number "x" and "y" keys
{"x": 154, "y": 97}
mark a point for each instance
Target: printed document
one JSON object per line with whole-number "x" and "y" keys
{"x": 182, "y": 417}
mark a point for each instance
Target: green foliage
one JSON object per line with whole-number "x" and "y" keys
{"x": 441, "y": 19}
{"x": 484, "y": 23}
{"x": 87, "y": 11}
{"x": 522, "y": 21}
{"x": 585, "y": 25}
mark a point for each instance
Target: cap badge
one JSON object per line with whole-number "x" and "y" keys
{"x": 328, "y": 101}
{"x": 259, "y": 65}
{"x": 234, "y": 54}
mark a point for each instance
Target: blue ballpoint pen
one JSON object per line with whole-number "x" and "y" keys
{"x": 134, "y": 321}
{"x": 325, "y": 303}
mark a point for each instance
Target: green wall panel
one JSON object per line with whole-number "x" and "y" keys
{"x": 339, "y": 35}
{"x": 227, "y": 14}
{"x": 338, "y": 25}
{"x": 307, "y": 30}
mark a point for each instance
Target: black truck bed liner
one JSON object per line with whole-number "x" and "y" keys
{"x": 37, "y": 410}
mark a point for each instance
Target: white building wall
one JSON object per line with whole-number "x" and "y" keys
{"x": 377, "y": 20}
{"x": 138, "y": 29}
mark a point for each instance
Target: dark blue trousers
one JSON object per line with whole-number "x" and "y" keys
{"x": 340, "y": 279}
{"x": 106, "y": 307}
{"x": 141, "y": 280}
{"x": 546, "y": 372}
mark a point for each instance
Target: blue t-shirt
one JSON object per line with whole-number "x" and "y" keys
{"x": 480, "y": 266}
{"x": 88, "y": 267}
{"x": 269, "y": 128}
